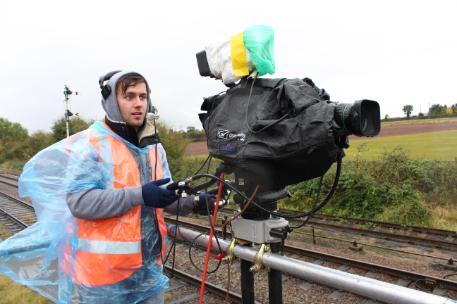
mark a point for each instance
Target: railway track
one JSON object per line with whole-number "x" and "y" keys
{"x": 431, "y": 283}
{"x": 445, "y": 234}
{"x": 440, "y": 286}
{"x": 446, "y": 241}
{"x": 195, "y": 281}
{"x": 355, "y": 231}
{"x": 8, "y": 180}
{"x": 412, "y": 235}
{"x": 15, "y": 214}
{"x": 9, "y": 176}
{"x": 429, "y": 238}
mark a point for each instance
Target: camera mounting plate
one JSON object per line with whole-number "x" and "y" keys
{"x": 256, "y": 231}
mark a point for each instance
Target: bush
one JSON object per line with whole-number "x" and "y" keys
{"x": 11, "y": 137}
{"x": 435, "y": 180}
{"x": 76, "y": 124}
{"x": 395, "y": 189}
{"x": 35, "y": 143}
{"x": 174, "y": 144}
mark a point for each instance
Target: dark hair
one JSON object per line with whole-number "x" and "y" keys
{"x": 130, "y": 79}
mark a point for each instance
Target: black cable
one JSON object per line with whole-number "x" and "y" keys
{"x": 208, "y": 213}
{"x": 174, "y": 237}
{"x": 212, "y": 227}
{"x": 319, "y": 188}
{"x": 279, "y": 214}
{"x": 201, "y": 167}
{"x": 307, "y": 214}
{"x": 247, "y": 106}
{"x": 173, "y": 244}
{"x": 419, "y": 286}
{"x": 156, "y": 220}
{"x": 449, "y": 275}
{"x": 210, "y": 219}
{"x": 155, "y": 166}
{"x": 192, "y": 245}
{"x": 247, "y": 113}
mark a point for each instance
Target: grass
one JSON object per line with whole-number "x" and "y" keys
{"x": 12, "y": 166}
{"x": 13, "y": 293}
{"x": 432, "y": 145}
{"x": 443, "y": 217}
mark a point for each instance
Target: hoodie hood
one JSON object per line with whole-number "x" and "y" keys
{"x": 110, "y": 104}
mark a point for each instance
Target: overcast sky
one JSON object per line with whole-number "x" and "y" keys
{"x": 396, "y": 52}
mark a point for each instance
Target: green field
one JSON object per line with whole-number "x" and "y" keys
{"x": 427, "y": 146}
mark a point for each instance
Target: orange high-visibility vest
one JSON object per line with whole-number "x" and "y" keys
{"x": 109, "y": 250}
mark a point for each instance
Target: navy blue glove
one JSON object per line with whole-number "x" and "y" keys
{"x": 156, "y": 197}
{"x": 201, "y": 201}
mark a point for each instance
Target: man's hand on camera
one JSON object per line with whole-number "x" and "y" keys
{"x": 156, "y": 197}
{"x": 202, "y": 200}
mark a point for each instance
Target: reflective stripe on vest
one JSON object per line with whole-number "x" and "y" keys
{"x": 105, "y": 247}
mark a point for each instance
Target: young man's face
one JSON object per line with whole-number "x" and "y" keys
{"x": 133, "y": 104}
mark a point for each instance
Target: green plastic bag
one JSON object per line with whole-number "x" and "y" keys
{"x": 259, "y": 41}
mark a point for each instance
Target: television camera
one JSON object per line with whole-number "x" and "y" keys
{"x": 276, "y": 132}
{"x": 271, "y": 133}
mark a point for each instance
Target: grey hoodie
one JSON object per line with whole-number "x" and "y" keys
{"x": 104, "y": 203}
{"x": 110, "y": 104}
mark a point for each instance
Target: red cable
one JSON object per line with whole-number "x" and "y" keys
{"x": 210, "y": 241}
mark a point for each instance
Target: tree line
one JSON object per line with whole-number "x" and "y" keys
{"x": 17, "y": 146}
{"x": 435, "y": 110}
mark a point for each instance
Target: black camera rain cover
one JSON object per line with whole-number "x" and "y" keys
{"x": 287, "y": 122}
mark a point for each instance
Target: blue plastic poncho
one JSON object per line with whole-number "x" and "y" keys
{"x": 33, "y": 256}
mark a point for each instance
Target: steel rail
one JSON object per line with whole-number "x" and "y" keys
{"x": 377, "y": 247}
{"x": 8, "y": 183}
{"x": 16, "y": 200}
{"x": 414, "y": 240}
{"x": 12, "y": 218}
{"x": 18, "y": 222}
{"x": 437, "y": 281}
{"x": 214, "y": 289}
{"x": 416, "y": 229}
{"x": 366, "y": 287}
{"x": 9, "y": 176}
{"x": 326, "y": 217}
{"x": 410, "y": 239}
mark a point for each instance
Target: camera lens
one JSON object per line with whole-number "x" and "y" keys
{"x": 362, "y": 118}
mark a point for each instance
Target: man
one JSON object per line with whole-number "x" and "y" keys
{"x": 109, "y": 237}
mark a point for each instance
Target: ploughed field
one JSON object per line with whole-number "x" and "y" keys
{"x": 434, "y": 139}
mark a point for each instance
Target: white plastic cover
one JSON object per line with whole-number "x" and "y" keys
{"x": 220, "y": 61}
